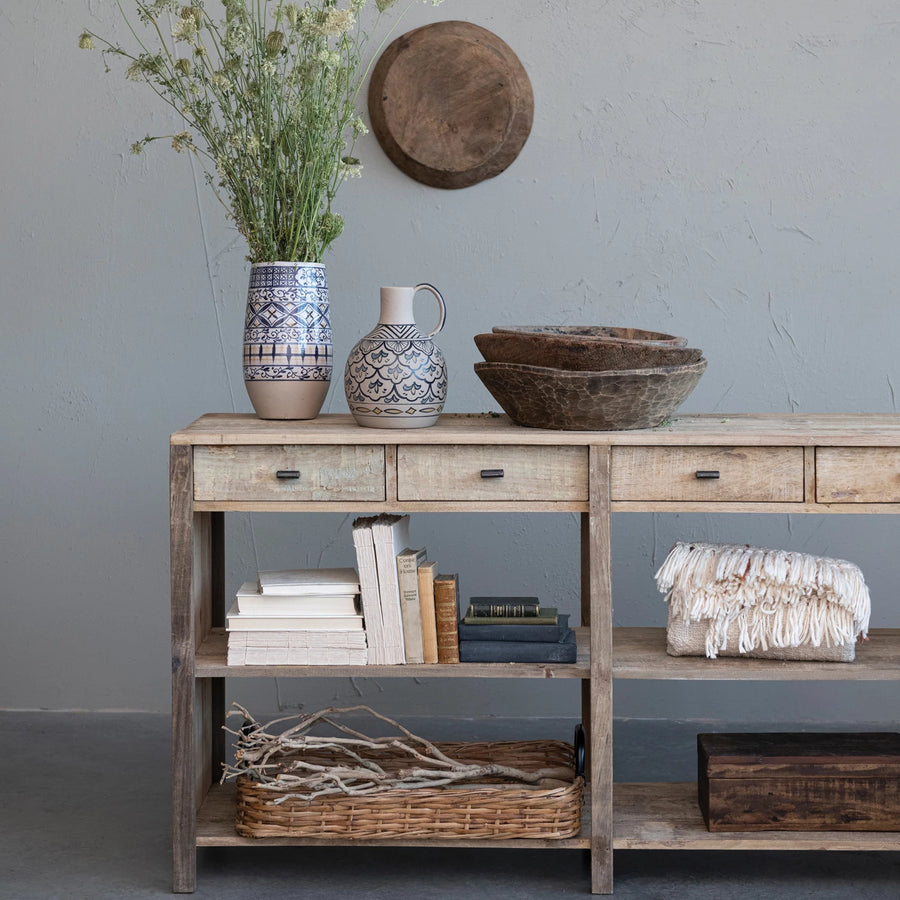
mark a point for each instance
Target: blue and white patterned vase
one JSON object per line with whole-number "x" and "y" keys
{"x": 288, "y": 347}
{"x": 396, "y": 376}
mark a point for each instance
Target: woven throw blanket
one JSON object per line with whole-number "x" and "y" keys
{"x": 763, "y": 598}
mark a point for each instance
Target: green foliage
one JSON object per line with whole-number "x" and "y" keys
{"x": 268, "y": 94}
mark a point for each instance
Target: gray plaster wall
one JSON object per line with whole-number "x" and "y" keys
{"x": 722, "y": 170}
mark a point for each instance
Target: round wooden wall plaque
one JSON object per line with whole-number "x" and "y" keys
{"x": 450, "y": 104}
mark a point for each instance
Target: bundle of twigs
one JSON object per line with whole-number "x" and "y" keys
{"x": 300, "y": 765}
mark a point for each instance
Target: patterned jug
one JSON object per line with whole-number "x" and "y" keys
{"x": 395, "y": 376}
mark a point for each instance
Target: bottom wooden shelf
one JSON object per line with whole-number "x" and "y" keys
{"x": 215, "y": 828}
{"x": 666, "y": 816}
{"x": 648, "y": 816}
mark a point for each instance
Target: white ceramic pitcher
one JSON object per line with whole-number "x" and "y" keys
{"x": 396, "y": 376}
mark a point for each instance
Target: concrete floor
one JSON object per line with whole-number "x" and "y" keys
{"x": 85, "y": 814}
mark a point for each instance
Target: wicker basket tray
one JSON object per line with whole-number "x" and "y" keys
{"x": 480, "y": 810}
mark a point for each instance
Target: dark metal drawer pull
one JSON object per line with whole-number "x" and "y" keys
{"x": 492, "y": 473}
{"x": 711, "y": 473}
{"x": 286, "y": 474}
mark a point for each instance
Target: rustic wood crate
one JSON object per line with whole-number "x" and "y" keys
{"x": 800, "y": 782}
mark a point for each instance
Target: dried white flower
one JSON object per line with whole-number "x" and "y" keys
{"x": 221, "y": 82}
{"x": 185, "y": 30}
{"x": 182, "y": 141}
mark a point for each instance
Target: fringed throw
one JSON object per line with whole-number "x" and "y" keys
{"x": 765, "y": 599}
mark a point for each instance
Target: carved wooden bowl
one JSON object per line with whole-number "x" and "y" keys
{"x": 558, "y": 351}
{"x": 598, "y": 332}
{"x": 614, "y": 400}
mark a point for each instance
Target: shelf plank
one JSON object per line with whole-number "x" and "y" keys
{"x": 648, "y": 816}
{"x": 215, "y": 828}
{"x": 638, "y": 653}
{"x": 641, "y": 653}
{"x": 744, "y": 429}
{"x": 666, "y": 816}
{"x": 211, "y": 663}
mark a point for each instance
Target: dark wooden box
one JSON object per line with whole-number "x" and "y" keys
{"x": 799, "y": 782}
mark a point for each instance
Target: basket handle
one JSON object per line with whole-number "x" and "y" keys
{"x": 579, "y": 750}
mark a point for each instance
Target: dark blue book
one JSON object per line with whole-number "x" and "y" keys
{"x": 546, "y": 633}
{"x": 563, "y": 651}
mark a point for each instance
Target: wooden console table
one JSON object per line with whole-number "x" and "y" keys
{"x": 762, "y": 463}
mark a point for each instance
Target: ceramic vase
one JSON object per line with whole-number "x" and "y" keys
{"x": 396, "y": 376}
{"x": 287, "y": 340}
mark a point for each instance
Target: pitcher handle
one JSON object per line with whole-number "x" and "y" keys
{"x": 442, "y": 307}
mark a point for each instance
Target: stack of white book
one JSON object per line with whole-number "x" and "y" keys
{"x": 297, "y": 617}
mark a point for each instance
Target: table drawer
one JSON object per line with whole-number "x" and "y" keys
{"x": 736, "y": 474}
{"x": 492, "y": 473}
{"x": 858, "y": 474}
{"x": 353, "y": 472}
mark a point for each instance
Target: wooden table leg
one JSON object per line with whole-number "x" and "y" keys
{"x": 182, "y": 561}
{"x": 600, "y": 580}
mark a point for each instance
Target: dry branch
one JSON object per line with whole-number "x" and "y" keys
{"x": 300, "y": 765}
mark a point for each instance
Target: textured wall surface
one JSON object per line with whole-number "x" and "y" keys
{"x": 721, "y": 170}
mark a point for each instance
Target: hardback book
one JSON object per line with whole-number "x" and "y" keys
{"x": 564, "y": 651}
{"x": 300, "y": 582}
{"x": 369, "y": 593}
{"x": 313, "y": 656}
{"x": 548, "y": 616}
{"x": 297, "y": 648}
{"x": 235, "y": 621}
{"x": 251, "y": 602}
{"x": 390, "y": 534}
{"x": 545, "y": 633}
{"x": 446, "y": 613}
{"x": 426, "y": 574}
{"x": 298, "y": 640}
{"x": 504, "y": 606}
{"x": 408, "y": 562}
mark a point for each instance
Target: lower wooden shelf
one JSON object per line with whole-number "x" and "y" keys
{"x": 215, "y": 828}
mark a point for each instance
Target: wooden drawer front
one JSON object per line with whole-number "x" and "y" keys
{"x": 307, "y": 473}
{"x": 748, "y": 474}
{"x": 858, "y": 474}
{"x": 492, "y": 473}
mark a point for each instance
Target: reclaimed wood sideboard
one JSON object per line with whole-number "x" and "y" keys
{"x": 789, "y": 463}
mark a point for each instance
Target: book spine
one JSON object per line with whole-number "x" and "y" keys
{"x": 522, "y": 608}
{"x": 545, "y": 633}
{"x": 408, "y": 583}
{"x": 446, "y": 612}
{"x": 370, "y": 598}
{"x": 426, "y": 575}
{"x": 547, "y": 617}
{"x": 386, "y": 530}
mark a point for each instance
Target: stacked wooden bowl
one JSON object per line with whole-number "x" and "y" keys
{"x": 587, "y": 377}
